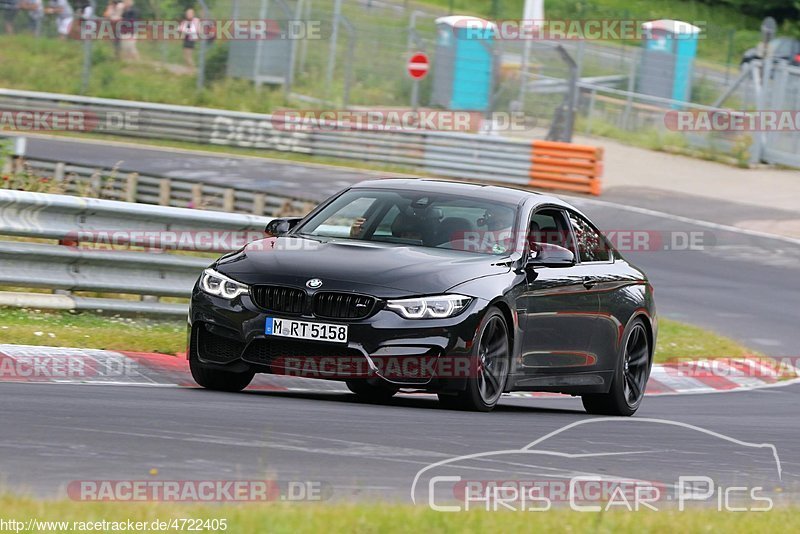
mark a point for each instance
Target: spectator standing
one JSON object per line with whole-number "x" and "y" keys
{"x": 129, "y": 15}
{"x": 189, "y": 31}
{"x": 10, "y": 10}
{"x": 64, "y": 16}
{"x": 35, "y": 9}
{"x": 113, "y": 13}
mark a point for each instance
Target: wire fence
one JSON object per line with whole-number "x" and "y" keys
{"x": 358, "y": 59}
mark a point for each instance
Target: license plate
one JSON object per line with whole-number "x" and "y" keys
{"x": 334, "y": 333}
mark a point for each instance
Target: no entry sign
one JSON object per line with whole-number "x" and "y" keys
{"x": 418, "y": 66}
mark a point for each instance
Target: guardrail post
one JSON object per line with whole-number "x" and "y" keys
{"x": 131, "y": 187}
{"x": 197, "y": 196}
{"x": 58, "y": 172}
{"x": 96, "y": 184}
{"x": 259, "y": 202}
{"x": 590, "y": 114}
{"x": 164, "y": 191}
{"x": 229, "y": 200}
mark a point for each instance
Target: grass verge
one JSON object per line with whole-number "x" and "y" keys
{"x": 94, "y": 331}
{"x": 91, "y": 331}
{"x": 388, "y": 518}
{"x": 680, "y": 340}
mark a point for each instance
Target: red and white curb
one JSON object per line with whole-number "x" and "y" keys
{"x": 28, "y": 363}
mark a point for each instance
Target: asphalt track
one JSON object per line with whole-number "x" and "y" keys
{"x": 739, "y": 284}
{"x": 55, "y": 434}
{"x": 282, "y": 177}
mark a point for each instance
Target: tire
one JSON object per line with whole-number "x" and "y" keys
{"x": 489, "y": 365}
{"x": 630, "y": 377}
{"x": 368, "y": 392}
{"x": 218, "y": 380}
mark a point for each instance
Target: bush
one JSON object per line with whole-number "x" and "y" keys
{"x": 216, "y": 62}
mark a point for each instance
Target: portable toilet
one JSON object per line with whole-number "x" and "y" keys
{"x": 464, "y": 63}
{"x": 670, "y": 47}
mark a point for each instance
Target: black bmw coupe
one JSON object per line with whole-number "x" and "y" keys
{"x": 465, "y": 290}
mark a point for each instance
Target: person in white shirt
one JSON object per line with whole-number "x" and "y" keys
{"x": 64, "y": 16}
{"x": 189, "y": 27}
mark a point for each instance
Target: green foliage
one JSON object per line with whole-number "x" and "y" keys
{"x": 216, "y": 62}
{"x": 55, "y": 66}
{"x": 5, "y": 153}
{"x": 780, "y": 9}
{"x": 732, "y": 26}
{"x": 170, "y": 9}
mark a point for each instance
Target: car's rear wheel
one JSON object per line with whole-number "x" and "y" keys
{"x": 217, "y": 379}
{"x": 488, "y": 368}
{"x": 371, "y": 392}
{"x": 630, "y": 377}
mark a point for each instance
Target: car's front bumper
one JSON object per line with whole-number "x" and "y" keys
{"x": 423, "y": 353}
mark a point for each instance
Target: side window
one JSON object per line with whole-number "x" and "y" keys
{"x": 591, "y": 245}
{"x": 549, "y": 226}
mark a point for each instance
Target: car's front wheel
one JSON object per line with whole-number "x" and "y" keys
{"x": 488, "y": 368}
{"x": 217, "y": 379}
{"x": 630, "y": 377}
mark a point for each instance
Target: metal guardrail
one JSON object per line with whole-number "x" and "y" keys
{"x": 130, "y": 186}
{"x": 460, "y": 155}
{"x": 108, "y": 246}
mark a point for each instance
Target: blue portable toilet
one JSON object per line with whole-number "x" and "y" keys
{"x": 464, "y": 63}
{"x": 670, "y": 47}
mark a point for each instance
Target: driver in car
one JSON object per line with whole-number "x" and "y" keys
{"x": 499, "y": 225}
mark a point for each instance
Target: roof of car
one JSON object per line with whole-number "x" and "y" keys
{"x": 470, "y": 189}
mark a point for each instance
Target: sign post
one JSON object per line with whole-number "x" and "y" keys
{"x": 417, "y": 67}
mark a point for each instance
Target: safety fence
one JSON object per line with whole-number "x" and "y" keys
{"x": 458, "y": 155}
{"x": 86, "y": 248}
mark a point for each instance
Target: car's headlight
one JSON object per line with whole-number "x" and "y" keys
{"x": 220, "y": 285}
{"x": 438, "y": 307}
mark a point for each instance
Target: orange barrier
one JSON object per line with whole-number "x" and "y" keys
{"x": 566, "y": 167}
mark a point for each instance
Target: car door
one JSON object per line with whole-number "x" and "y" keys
{"x": 560, "y": 312}
{"x": 609, "y": 282}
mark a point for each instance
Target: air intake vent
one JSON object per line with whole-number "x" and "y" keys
{"x": 279, "y": 299}
{"x": 332, "y": 305}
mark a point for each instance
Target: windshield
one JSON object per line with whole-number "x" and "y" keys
{"x": 420, "y": 219}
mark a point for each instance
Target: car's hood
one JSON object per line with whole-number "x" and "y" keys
{"x": 380, "y": 269}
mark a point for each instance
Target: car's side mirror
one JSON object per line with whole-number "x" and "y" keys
{"x": 547, "y": 255}
{"x": 278, "y": 227}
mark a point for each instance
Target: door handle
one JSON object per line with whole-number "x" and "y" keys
{"x": 588, "y": 282}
